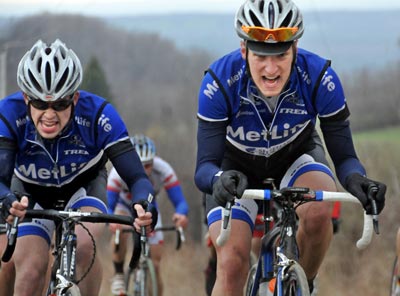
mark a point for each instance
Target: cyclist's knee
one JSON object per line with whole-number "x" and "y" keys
{"x": 232, "y": 261}
{"x": 315, "y": 218}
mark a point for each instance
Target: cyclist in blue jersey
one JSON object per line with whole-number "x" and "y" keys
{"x": 257, "y": 112}
{"x": 161, "y": 175}
{"x": 54, "y": 143}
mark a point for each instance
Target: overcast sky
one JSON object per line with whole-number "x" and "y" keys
{"x": 137, "y": 7}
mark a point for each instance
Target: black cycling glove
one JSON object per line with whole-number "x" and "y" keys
{"x": 148, "y": 207}
{"x": 230, "y": 185}
{"x": 358, "y": 186}
{"x": 6, "y": 204}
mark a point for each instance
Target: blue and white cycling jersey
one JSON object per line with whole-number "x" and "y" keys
{"x": 253, "y": 127}
{"x": 95, "y": 127}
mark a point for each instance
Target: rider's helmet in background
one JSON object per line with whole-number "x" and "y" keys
{"x": 49, "y": 73}
{"x": 144, "y": 147}
{"x": 269, "y": 27}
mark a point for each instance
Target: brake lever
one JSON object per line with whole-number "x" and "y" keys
{"x": 116, "y": 240}
{"x": 12, "y": 233}
{"x": 226, "y": 214}
{"x": 372, "y": 191}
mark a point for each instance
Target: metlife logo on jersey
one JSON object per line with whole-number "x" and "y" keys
{"x": 104, "y": 123}
{"x": 325, "y": 81}
{"x": 46, "y": 174}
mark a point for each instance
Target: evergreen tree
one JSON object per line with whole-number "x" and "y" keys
{"x": 94, "y": 80}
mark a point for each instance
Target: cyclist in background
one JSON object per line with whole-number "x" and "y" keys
{"x": 54, "y": 143}
{"x": 257, "y": 112}
{"x": 161, "y": 175}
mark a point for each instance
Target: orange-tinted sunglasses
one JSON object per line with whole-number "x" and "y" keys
{"x": 261, "y": 34}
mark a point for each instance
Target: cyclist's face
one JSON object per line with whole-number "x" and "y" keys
{"x": 269, "y": 73}
{"x": 148, "y": 167}
{"x": 49, "y": 123}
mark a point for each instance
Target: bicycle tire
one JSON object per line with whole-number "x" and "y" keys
{"x": 148, "y": 281}
{"x": 250, "y": 280}
{"x": 73, "y": 291}
{"x": 295, "y": 283}
{"x": 395, "y": 277}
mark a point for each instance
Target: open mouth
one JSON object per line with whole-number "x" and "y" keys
{"x": 48, "y": 126}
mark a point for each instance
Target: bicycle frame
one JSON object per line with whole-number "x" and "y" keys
{"x": 279, "y": 253}
{"x": 63, "y": 274}
{"x": 63, "y": 281}
{"x": 142, "y": 267}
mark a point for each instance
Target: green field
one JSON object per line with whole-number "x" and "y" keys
{"x": 390, "y": 134}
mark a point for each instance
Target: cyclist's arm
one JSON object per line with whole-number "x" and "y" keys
{"x": 339, "y": 142}
{"x": 115, "y": 185}
{"x": 165, "y": 172}
{"x": 175, "y": 195}
{"x": 127, "y": 163}
{"x": 112, "y": 198}
{"x": 7, "y": 161}
{"x": 210, "y": 151}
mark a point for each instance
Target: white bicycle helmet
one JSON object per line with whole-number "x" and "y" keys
{"x": 144, "y": 147}
{"x": 269, "y": 14}
{"x": 49, "y": 73}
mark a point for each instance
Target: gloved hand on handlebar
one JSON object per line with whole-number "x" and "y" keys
{"x": 230, "y": 185}
{"x": 358, "y": 186}
{"x": 6, "y": 204}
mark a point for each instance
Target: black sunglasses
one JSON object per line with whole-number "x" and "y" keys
{"x": 59, "y": 105}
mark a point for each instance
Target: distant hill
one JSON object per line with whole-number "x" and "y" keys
{"x": 352, "y": 40}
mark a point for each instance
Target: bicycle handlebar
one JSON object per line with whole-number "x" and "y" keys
{"x": 180, "y": 234}
{"x": 306, "y": 195}
{"x": 55, "y": 215}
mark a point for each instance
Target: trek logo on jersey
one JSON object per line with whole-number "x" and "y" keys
{"x": 104, "y": 123}
{"x": 76, "y": 152}
{"x": 273, "y": 134}
{"x": 35, "y": 173}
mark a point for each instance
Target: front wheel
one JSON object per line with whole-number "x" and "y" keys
{"x": 250, "y": 280}
{"x": 73, "y": 291}
{"x": 143, "y": 280}
{"x": 295, "y": 281}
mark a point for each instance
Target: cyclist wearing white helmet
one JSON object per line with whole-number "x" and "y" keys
{"x": 54, "y": 143}
{"x": 257, "y": 112}
{"x": 161, "y": 175}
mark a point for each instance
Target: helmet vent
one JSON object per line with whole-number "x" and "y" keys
{"x": 39, "y": 64}
{"x": 33, "y": 80}
{"x": 288, "y": 18}
{"x": 261, "y": 6}
{"x": 255, "y": 20}
{"x": 56, "y": 64}
{"x": 48, "y": 76}
{"x": 47, "y": 50}
{"x": 271, "y": 15}
{"x": 61, "y": 83}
